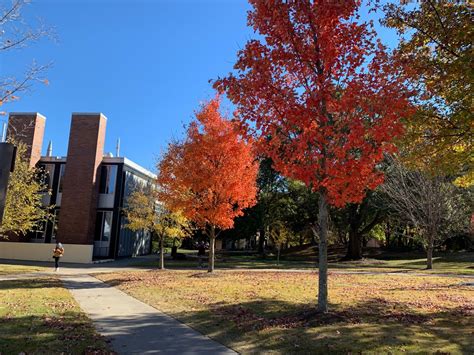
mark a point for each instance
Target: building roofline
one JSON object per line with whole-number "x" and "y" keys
{"x": 110, "y": 160}
{"x": 46, "y": 159}
{"x": 26, "y": 114}
{"x": 139, "y": 168}
{"x": 89, "y": 114}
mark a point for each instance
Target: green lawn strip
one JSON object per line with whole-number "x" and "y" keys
{"x": 41, "y": 317}
{"x": 455, "y": 263}
{"x": 274, "y": 312}
{"x": 10, "y": 269}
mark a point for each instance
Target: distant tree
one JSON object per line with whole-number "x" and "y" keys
{"x": 280, "y": 234}
{"x": 24, "y": 210}
{"x": 436, "y": 50}
{"x": 270, "y": 185}
{"x": 144, "y": 212}
{"x": 324, "y": 98}
{"x": 16, "y": 34}
{"x": 211, "y": 175}
{"x": 304, "y": 214}
{"x": 433, "y": 206}
{"x": 358, "y": 220}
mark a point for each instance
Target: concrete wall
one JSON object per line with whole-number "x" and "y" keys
{"x": 73, "y": 253}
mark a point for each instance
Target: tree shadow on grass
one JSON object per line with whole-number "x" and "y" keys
{"x": 375, "y": 325}
{"x": 68, "y": 332}
{"x": 30, "y": 283}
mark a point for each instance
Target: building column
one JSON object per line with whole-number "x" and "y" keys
{"x": 28, "y": 128}
{"x": 80, "y": 190}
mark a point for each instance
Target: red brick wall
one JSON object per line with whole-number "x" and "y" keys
{"x": 80, "y": 190}
{"x": 29, "y": 129}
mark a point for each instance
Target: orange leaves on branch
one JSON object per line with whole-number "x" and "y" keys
{"x": 321, "y": 94}
{"x": 211, "y": 175}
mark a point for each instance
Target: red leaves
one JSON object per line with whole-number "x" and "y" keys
{"x": 211, "y": 176}
{"x": 322, "y": 94}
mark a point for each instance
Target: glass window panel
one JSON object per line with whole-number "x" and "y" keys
{"x": 61, "y": 178}
{"x": 103, "y": 179}
{"x": 111, "y": 178}
{"x": 107, "y": 231}
{"x": 98, "y": 226}
{"x": 108, "y": 177}
{"x": 55, "y": 223}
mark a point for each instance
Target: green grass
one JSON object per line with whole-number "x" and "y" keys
{"x": 273, "y": 312}
{"x": 41, "y": 317}
{"x": 461, "y": 263}
{"x": 9, "y": 269}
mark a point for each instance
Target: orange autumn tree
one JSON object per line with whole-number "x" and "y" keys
{"x": 324, "y": 98}
{"x": 211, "y": 175}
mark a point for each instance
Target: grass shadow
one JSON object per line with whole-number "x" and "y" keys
{"x": 374, "y": 325}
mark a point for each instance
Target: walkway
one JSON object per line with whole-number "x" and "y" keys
{"x": 133, "y": 326}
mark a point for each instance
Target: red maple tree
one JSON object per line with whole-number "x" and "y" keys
{"x": 210, "y": 176}
{"x": 324, "y": 97}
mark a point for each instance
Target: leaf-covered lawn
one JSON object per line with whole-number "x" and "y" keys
{"x": 41, "y": 317}
{"x": 274, "y": 311}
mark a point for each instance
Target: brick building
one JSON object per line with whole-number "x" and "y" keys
{"x": 87, "y": 189}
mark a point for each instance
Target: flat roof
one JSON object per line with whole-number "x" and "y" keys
{"x": 26, "y": 114}
{"x": 110, "y": 160}
{"x": 130, "y": 164}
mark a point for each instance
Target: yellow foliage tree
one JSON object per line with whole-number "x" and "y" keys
{"x": 24, "y": 210}
{"x": 144, "y": 212}
{"x": 436, "y": 48}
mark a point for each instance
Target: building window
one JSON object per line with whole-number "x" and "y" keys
{"x": 103, "y": 233}
{"x": 108, "y": 177}
{"x": 39, "y": 235}
{"x": 62, "y": 170}
{"x": 54, "y": 229}
{"x": 103, "y": 226}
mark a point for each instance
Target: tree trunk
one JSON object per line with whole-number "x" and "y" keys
{"x": 354, "y": 248}
{"x": 212, "y": 241}
{"x": 323, "y": 254}
{"x": 429, "y": 253}
{"x": 387, "y": 235}
{"x": 261, "y": 241}
{"x": 278, "y": 256}
{"x": 162, "y": 253}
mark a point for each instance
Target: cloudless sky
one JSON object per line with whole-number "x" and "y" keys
{"x": 145, "y": 64}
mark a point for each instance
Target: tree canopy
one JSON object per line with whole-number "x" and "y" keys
{"x": 24, "y": 210}
{"x": 211, "y": 175}
{"x": 144, "y": 212}
{"x": 436, "y": 51}
{"x": 323, "y": 97}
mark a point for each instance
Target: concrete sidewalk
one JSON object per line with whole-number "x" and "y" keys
{"x": 133, "y": 326}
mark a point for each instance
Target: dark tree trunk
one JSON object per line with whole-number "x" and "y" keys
{"x": 354, "y": 247}
{"x": 429, "y": 252}
{"x": 323, "y": 253}
{"x": 261, "y": 241}
{"x": 387, "y": 235}
{"x": 429, "y": 258}
{"x": 174, "y": 249}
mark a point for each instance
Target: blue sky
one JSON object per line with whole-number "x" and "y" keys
{"x": 145, "y": 64}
